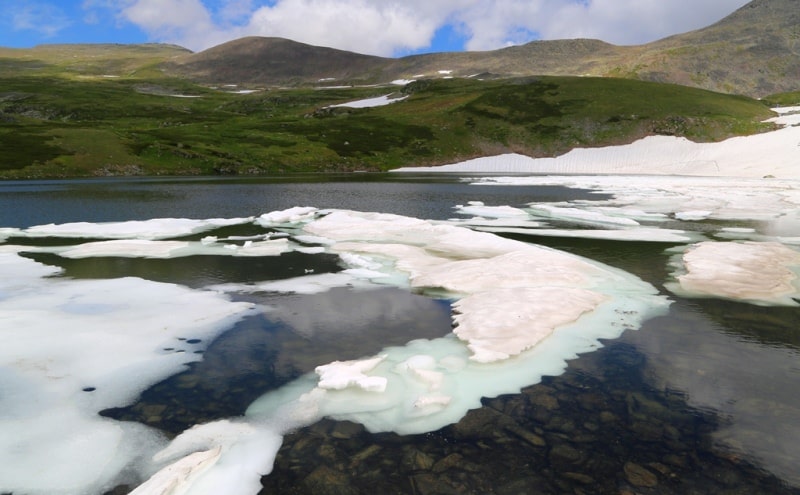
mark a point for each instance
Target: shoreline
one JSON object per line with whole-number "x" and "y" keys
{"x": 774, "y": 154}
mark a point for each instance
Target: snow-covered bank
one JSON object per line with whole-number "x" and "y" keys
{"x": 372, "y": 102}
{"x": 775, "y": 153}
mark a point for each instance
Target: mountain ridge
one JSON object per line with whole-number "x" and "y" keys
{"x": 753, "y": 51}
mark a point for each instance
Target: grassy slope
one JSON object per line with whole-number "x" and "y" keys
{"x": 790, "y": 99}
{"x": 87, "y": 124}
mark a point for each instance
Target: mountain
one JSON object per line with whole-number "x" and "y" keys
{"x": 754, "y": 51}
{"x": 275, "y": 61}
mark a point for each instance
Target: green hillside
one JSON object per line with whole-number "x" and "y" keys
{"x": 53, "y": 126}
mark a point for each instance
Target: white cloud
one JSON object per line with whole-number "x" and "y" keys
{"x": 169, "y": 19}
{"x": 357, "y": 25}
{"x": 390, "y": 27}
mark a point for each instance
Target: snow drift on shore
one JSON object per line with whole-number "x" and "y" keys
{"x": 775, "y": 153}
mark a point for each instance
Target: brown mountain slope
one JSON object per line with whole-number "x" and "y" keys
{"x": 257, "y": 60}
{"x": 559, "y": 57}
{"x": 754, "y": 51}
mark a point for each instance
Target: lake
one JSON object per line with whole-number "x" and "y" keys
{"x": 695, "y": 395}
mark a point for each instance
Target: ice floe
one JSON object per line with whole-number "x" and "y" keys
{"x": 764, "y": 273}
{"x": 141, "y": 229}
{"x": 772, "y": 203}
{"x": 145, "y": 248}
{"x": 72, "y": 348}
{"x": 535, "y": 219}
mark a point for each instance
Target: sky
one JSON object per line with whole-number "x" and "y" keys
{"x": 377, "y": 27}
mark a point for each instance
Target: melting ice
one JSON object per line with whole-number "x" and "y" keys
{"x": 79, "y": 346}
{"x": 511, "y": 329}
{"x": 75, "y": 347}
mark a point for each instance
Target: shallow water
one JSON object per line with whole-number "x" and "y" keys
{"x": 700, "y": 400}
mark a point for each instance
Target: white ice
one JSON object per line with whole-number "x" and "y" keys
{"x": 580, "y": 215}
{"x": 74, "y": 347}
{"x": 477, "y": 208}
{"x": 764, "y": 273}
{"x": 624, "y": 222}
{"x": 640, "y": 234}
{"x": 142, "y": 229}
{"x": 145, "y": 248}
{"x": 773, "y": 203}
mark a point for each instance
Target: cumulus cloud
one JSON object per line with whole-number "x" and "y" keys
{"x": 392, "y": 27}
{"x": 173, "y": 19}
{"x": 357, "y": 25}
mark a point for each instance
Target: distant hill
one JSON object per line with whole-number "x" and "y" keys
{"x": 754, "y": 51}
{"x": 90, "y": 59}
{"x": 256, "y": 60}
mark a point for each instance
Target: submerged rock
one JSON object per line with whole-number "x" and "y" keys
{"x": 639, "y": 476}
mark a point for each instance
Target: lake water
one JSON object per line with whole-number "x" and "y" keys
{"x": 702, "y": 399}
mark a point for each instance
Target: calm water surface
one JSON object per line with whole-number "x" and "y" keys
{"x": 27, "y": 203}
{"x": 701, "y": 400}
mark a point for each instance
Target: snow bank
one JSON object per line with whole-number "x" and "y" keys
{"x": 372, "y": 102}
{"x": 775, "y": 153}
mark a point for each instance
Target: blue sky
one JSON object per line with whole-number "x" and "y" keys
{"x": 380, "y": 27}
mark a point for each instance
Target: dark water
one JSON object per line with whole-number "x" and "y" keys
{"x": 703, "y": 400}
{"x": 28, "y": 203}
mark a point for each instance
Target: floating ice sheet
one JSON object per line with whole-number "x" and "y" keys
{"x": 621, "y": 224}
{"x": 764, "y": 273}
{"x": 639, "y": 234}
{"x": 74, "y": 347}
{"x": 140, "y": 229}
{"x": 144, "y": 248}
{"x": 478, "y": 208}
{"x": 771, "y": 206}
